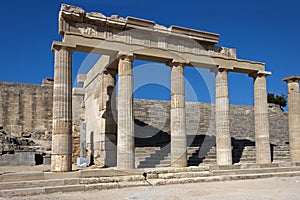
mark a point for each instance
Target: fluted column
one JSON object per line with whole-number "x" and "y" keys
{"x": 261, "y": 118}
{"x": 223, "y": 139}
{"x": 294, "y": 116}
{"x": 61, "y": 156}
{"x": 125, "y": 142}
{"x": 178, "y": 133}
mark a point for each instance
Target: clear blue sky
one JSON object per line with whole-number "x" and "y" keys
{"x": 260, "y": 30}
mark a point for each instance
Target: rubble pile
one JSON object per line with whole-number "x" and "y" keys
{"x": 10, "y": 143}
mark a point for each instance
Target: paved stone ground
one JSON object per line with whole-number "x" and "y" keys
{"x": 260, "y": 189}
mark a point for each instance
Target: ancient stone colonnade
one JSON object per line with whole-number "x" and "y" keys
{"x": 120, "y": 41}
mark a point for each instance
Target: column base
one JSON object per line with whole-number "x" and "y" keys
{"x": 180, "y": 162}
{"x": 126, "y": 161}
{"x": 61, "y": 163}
{"x": 295, "y": 156}
{"x": 224, "y": 157}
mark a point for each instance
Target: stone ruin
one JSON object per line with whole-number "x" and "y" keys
{"x": 228, "y": 134}
{"x": 22, "y": 150}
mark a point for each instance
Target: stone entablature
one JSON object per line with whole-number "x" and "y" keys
{"x": 93, "y": 24}
{"x": 147, "y": 40}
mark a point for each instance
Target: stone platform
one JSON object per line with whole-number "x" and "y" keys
{"x": 34, "y": 183}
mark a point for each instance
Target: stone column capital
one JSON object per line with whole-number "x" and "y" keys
{"x": 174, "y": 62}
{"x": 129, "y": 57}
{"x": 260, "y": 74}
{"x": 293, "y": 84}
{"x": 111, "y": 71}
{"x": 221, "y": 69}
{"x": 56, "y": 46}
{"x": 292, "y": 79}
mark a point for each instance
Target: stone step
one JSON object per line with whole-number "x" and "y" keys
{"x": 210, "y": 156}
{"x": 21, "y": 176}
{"x": 248, "y": 159}
{"x": 101, "y": 179}
{"x": 182, "y": 175}
{"x": 281, "y": 157}
{"x": 162, "y": 165}
{"x": 245, "y": 157}
{"x": 247, "y": 162}
{"x": 156, "y": 161}
{"x": 41, "y": 190}
{"x": 281, "y": 161}
{"x": 146, "y": 149}
{"x": 248, "y": 155}
{"x": 255, "y": 171}
{"x": 38, "y": 183}
{"x": 281, "y": 152}
{"x": 105, "y": 186}
{"x": 157, "y": 182}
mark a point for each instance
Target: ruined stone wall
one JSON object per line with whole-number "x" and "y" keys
{"x": 25, "y": 107}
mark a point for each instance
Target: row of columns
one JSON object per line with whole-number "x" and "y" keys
{"x": 223, "y": 138}
{"x": 125, "y": 145}
{"x": 62, "y": 114}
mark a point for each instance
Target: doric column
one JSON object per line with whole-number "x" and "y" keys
{"x": 261, "y": 118}
{"x": 61, "y": 156}
{"x": 106, "y": 147}
{"x": 294, "y": 116}
{"x": 223, "y": 139}
{"x": 125, "y": 142}
{"x": 178, "y": 134}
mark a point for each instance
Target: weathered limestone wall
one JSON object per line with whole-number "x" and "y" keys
{"x": 28, "y": 108}
{"x": 25, "y": 107}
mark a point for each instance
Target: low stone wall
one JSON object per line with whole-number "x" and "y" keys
{"x": 19, "y": 158}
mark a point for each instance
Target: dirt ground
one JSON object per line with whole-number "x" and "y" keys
{"x": 260, "y": 189}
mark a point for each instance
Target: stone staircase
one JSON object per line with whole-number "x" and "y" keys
{"x": 20, "y": 184}
{"x": 153, "y": 157}
{"x": 281, "y": 153}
